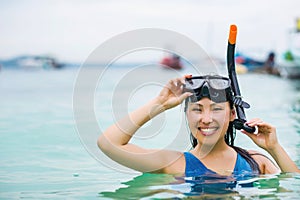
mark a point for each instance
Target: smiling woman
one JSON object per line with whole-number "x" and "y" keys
{"x": 210, "y": 113}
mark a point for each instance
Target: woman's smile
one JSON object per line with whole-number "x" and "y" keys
{"x": 206, "y": 131}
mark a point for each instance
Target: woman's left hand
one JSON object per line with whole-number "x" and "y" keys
{"x": 265, "y": 137}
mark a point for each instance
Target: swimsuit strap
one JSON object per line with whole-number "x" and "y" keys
{"x": 241, "y": 165}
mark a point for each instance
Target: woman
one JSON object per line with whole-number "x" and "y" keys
{"x": 210, "y": 112}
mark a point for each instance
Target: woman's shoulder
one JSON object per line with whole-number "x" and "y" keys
{"x": 257, "y": 156}
{"x": 254, "y": 152}
{"x": 266, "y": 165}
{"x": 176, "y": 163}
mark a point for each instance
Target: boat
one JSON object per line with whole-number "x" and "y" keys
{"x": 290, "y": 67}
{"x": 32, "y": 62}
{"x": 38, "y": 62}
{"x": 289, "y": 63}
{"x": 249, "y": 64}
{"x": 171, "y": 61}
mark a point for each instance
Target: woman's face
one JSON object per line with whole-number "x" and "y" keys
{"x": 208, "y": 121}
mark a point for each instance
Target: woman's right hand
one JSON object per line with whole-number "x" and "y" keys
{"x": 266, "y": 134}
{"x": 266, "y": 138}
{"x": 171, "y": 95}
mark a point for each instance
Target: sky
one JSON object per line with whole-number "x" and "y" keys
{"x": 71, "y": 29}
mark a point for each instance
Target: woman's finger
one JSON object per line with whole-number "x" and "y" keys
{"x": 254, "y": 122}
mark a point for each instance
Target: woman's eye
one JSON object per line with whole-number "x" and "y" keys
{"x": 196, "y": 109}
{"x": 217, "y": 108}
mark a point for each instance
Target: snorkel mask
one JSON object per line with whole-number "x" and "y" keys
{"x": 214, "y": 87}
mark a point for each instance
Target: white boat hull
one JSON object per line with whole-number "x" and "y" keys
{"x": 289, "y": 70}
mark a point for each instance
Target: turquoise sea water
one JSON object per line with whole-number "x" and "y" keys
{"x": 44, "y": 157}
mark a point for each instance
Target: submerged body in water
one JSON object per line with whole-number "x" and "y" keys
{"x": 213, "y": 186}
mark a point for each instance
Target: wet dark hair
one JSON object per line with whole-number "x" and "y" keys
{"x": 229, "y": 139}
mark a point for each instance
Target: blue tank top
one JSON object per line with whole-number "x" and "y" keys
{"x": 194, "y": 167}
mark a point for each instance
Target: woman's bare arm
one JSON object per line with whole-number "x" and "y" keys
{"x": 266, "y": 138}
{"x": 114, "y": 141}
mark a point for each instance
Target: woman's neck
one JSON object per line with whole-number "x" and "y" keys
{"x": 218, "y": 149}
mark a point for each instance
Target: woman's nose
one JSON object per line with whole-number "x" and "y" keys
{"x": 206, "y": 117}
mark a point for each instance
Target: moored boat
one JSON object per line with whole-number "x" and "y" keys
{"x": 172, "y": 62}
{"x": 289, "y": 67}
{"x": 289, "y": 64}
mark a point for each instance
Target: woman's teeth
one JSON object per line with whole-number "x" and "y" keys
{"x": 207, "y": 131}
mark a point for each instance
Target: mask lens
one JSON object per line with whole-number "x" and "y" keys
{"x": 194, "y": 83}
{"x": 219, "y": 84}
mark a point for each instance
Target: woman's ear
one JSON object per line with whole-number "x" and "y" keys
{"x": 232, "y": 114}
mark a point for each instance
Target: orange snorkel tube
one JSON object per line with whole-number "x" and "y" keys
{"x": 238, "y": 123}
